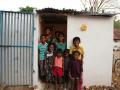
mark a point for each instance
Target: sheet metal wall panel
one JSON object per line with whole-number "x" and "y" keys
{"x": 16, "y": 48}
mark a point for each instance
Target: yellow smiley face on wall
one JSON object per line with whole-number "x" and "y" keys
{"x": 83, "y": 27}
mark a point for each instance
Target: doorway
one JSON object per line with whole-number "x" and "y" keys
{"x": 58, "y": 23}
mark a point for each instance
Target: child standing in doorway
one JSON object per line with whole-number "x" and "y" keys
{"x": 55, "y": 39}
{"x": 75, "y": 71}
{"x": 42, "y": 49}
{"x": 49, "y": 62}
{"x": 60, "y": 44}
{"x": 58, "y": 68}
{"x": 48, "y": 34}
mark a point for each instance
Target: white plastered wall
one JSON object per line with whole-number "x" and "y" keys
{"x": 36, "y": 82}
{"x": 35, "y": 61}
{"x": 97, "y": 42}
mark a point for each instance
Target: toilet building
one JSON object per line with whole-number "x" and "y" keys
{"x": 20, "y": 35}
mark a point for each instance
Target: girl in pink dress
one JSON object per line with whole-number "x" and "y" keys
{"x": 58, "y": 68}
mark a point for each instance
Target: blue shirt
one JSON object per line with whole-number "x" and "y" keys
{"x": 43, "y": 49}
{"x": 61, "y": 46}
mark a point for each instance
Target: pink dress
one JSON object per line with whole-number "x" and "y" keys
{"x": 58, "y": 65}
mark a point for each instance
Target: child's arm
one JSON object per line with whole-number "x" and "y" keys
{"x": 52, "y": 64}
{"x": 71, "y": 49}
{"x": 70, "y": 76}
{"x": 63, "y": 65}
{"x": 69, "y": 70}
{"x": 82, "y": 56}
{"x": 45, "y": 60}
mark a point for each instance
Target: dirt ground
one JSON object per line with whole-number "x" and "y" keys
{"x": 3, "y": 87}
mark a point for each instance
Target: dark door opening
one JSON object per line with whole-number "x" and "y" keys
{"x": 56, "y": 22}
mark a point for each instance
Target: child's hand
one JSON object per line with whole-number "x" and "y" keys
{"x": 71, "y": 77}
{"x": 50, "y": 66}
{"x": 45, "y": 67}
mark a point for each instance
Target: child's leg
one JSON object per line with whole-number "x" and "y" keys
{"x": 56, "y": 83}
{"x": 73, "y": 84}
{"x": 81, "y": 82}
{"x": 67, "y": 80}
{"x": 55, "y": 77}
{"x": 78, "y": 84}
{"x": 59, "y": 82}
{"x": 47, "y": 80}
{"x": 64, "y": 78}
{"x": 40, "y": 68}
{"x": 60, "y": 77}
{"x": 44, "y": 71}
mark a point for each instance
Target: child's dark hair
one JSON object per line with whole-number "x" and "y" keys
{"x": 66, "y": 51}
{"x": 76, "y": 52}
{"x": 51, "y": 44}
{"x": 48, "y": 28}
{"x": 59, "y": 51}
{"x": 57, "y": 32}
{"x": 61, "y": 33}
{"x": 76, "y": 39}
{"x": 42, "y": 35}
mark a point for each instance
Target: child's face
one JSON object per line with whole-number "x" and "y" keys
{"x": 76, "y": 42}
{"x": 56, "y": 34}
{"x": 43, "y": 39}
{"x": 66, "y": 54}
{"x": 61, "y": 38}
{"x": 48, "y": 31}
{"x": 76, "y": 56}
{"x": 59, "y": 54}
{"x": 51, "y": 48}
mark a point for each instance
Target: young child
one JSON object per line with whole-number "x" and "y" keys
{"x": 58, "y": 68}
{"x": 75, "y": 71}
{"x": 49, "y": 62}
{"x": 55, "y": 39}
{"x": 61, "y": 44}
{"x": 66, "y": 68}
{"x": 48, "y": 34}
{"x": 76, "y": 47}
{"x": 42, "y": 47}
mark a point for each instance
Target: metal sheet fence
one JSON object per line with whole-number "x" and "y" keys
{"x": 16, "y": 48}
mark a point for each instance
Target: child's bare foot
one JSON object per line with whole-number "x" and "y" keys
{"x": 48, "y": 86}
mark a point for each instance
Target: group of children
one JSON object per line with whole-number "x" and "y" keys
{"x": 57, "y": 63}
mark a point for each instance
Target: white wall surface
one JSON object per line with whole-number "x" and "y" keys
{"x": 97, "y": 42}
{"x": 35, "y": 62}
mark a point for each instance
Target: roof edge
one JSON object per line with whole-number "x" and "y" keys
{"x": 72, "y": 12}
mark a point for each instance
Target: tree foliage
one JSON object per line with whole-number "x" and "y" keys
{"x": 26, "y": 9}
{"x": 117, "y": 24}
{"x": 97, "y": 5}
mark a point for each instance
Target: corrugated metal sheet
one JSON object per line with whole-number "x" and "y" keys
{"x": 16, "y": 48}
